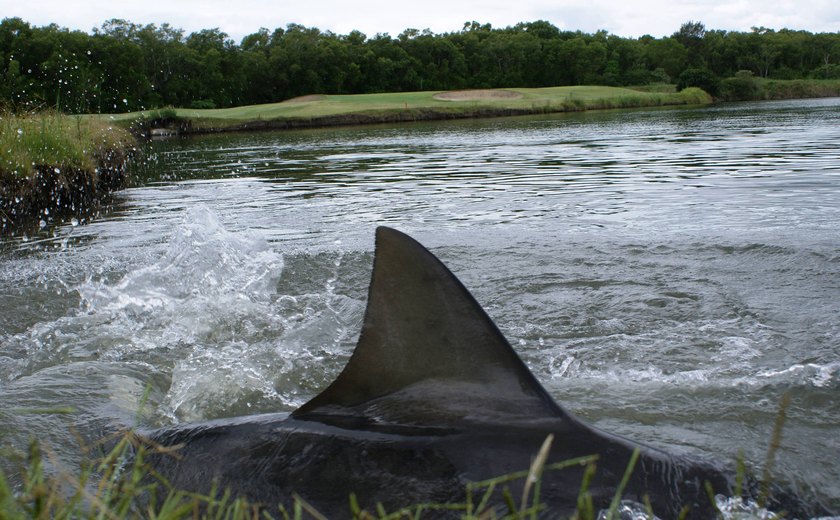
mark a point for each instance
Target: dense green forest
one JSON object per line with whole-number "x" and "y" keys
{"x": 123, "y": 66}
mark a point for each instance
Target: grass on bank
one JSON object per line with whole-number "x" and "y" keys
{"x": 328, "y": 109}
{"x": 55, "y": 166}
{"x": 121, "y": 484}
{"x": 56, "y": 141}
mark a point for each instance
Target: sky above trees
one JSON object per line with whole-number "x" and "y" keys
{"x": 620, "y": 17}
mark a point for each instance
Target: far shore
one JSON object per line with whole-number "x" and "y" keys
{"x": 321, "y": 110}
{"x": 341, "y": 110}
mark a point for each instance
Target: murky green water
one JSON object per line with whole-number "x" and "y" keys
{"x": 666, "y": 274}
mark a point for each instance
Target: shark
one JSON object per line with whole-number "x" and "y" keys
{"x": 432, "y": 398}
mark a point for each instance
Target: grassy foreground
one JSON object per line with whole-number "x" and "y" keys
{"x": 121, "y": 484}
{"x": 333, "y": 110}
{"x": 52, "y": 164}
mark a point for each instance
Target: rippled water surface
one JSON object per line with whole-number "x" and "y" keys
{"x": 668, "y": 275}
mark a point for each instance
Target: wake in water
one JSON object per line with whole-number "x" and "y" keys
{"x": 210, "y": 308}
{"x": 203, "y": 325}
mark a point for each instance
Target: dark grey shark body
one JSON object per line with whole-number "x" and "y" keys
{"x": 432, "y": 397}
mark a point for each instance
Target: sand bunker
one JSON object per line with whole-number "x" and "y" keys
{"x": 477, "y": 95}
{"x": 305, "y": 99}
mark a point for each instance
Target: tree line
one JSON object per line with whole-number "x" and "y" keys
{"x": 122, "y": 66}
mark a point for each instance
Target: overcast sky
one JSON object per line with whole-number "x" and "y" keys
{"x": 622, "y": 17}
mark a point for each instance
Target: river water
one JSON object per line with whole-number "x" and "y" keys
{"x": 667, "y": 274}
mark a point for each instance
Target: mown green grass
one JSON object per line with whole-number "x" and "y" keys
{"x": 530, "y": 100}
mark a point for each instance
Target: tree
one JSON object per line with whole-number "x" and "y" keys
{"x": 15, "y": 82}
{"x": 541, "y": 29}
{"x": 626, "y": 65}
{"x": 122, "y": 86}
{"x": 126, "y": 66}
{"x": 160, "y": 47}
{"x": 691, "y": 35}
{"x": 256, "y": 41}
{"x": 581, "y": 61}
{"x": 438, "y": 63}
{"x": 668, "y": 54}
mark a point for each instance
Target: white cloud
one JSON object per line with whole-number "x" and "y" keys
{"x": 242, "y": 17}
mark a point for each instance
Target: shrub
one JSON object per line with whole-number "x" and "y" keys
{"x": 660, "y": 76}
{"x": 829, "y": 71}
{"x": 203, "y": 104}
{"x": 699, "y": 77}
{"x": 785, "y": 73}
{"x": 695, "y": 96}
{"x": 742, "y": 87}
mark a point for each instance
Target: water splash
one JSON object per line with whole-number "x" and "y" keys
{"x": 730, "y": 508}
{"x": 736, "y": 508}
{"x": 825, "y": 376}
{"x": 627, "y": 510}
{"x": 202, "y": 261}
{"x": 192, "y": 309}
{"x": 210, "y": 309}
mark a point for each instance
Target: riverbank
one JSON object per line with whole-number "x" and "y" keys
{"x": 340, "y": 110}
{"x": 54, "y": 166}
{"x": 773, "y": 89}
{"x": 746, "y": 87}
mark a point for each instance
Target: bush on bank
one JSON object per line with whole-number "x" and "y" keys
{"x": 745, "y": 86}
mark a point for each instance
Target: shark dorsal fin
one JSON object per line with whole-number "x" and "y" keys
{"x": 428, "y": 351}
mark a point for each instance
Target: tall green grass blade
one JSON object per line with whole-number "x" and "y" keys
{"x": 511, "y": 505}
{"x": 624, "y": 480}
{"x": 710, "y": 492}
{"x": 306, "y": 506}
{"x": 775, "y": 444}
{"x": 585, "y": 507}
{"x": 536, "y": 470}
